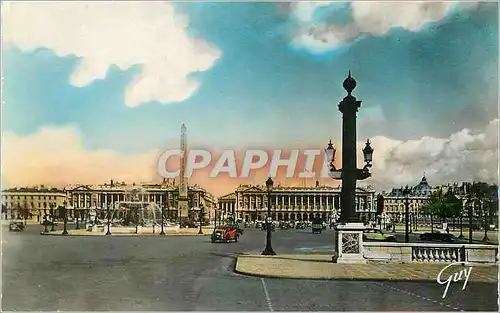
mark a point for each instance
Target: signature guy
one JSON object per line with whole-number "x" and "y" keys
{"x": 462, "y": 274}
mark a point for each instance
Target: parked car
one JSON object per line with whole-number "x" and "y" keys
{"x": 264, "y": 227}
{"x": 317, "y": 226}
{"x": 300, "y": 225}
{"x": 16, "y": 226}
{"x": 373, "y": 234}
{"x": 225, "y": 234}
{"x": 188, "y": 225}
{"x": 438, "y": 236}
{"x": 284, "y": 225}
{"x": 49, "y": 223}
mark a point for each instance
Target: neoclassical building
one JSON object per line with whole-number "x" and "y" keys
{"x": 249, "y": 203}
{"x": 394, "y": 201}
{"x": 79, "y": 199}
{"x": 32, "y": 201}
{"x": 164, "y": 195}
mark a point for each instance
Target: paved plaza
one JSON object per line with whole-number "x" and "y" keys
{"x": 154, "y": 273}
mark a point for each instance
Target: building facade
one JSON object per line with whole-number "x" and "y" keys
{"x": 31, "y": 203}
{"x": 393, "y": 202}
{"x": 36, "y": 202}
{"x": 249, "y": 203}
{"x": 160, "y": 196}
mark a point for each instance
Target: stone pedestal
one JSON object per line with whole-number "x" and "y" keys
{"x": 350, "y": 243}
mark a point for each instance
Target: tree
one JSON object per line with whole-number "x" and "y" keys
{"x": 444, "y": 205}
{"x": 485, "y": 200}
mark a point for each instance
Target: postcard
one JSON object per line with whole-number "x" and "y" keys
{"x": 249, "y": 156}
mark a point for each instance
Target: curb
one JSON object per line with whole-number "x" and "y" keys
{"x": 270, "y": 276}
{"x": 326, "y": 278}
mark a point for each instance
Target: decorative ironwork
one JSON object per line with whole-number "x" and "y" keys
{"x": 350, "y": 243}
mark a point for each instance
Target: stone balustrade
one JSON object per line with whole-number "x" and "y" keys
{"x": 430, "y": 252}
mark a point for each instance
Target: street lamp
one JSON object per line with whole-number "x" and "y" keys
{"x": 162, "y": 218}
{"x": 65, "y": 212}
{"x": 486, "y": 226}
{"x": 406, "y": 193}
{"x": 368, "y": 154}
{"x": 46, "y": 221}
{"x": 393, "y": 222}
{"x": 269, "y": 248}
{"x": 469, "y": 208}
{"x": 461, "y": 236}
{"x": 349, "y": 173}
{"x": 52, "y": 213}
{"x": 202, "y": 211}
{"x": 215, "y": 221}
{"x": 136, "y": 220}
{"x": 77, "y": 213}
{"x": 108, "y": 222}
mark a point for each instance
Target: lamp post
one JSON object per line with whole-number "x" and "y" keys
{"x": 108, "y": 232}
{"x": 349, "y": 173}
{"x": 202, "y": 211}
{"x": 215, "y": 221}
{"x": 393, "y": 222}
{"x": 136, "y": 220}
{"x": 461, "y": 236}
{"x": 65, "y": 213}
{"x": 52, "y": 217}
{"x": 46, "y": 221}
{"x": 162, "y": 219}
{"x": 486, "y": 226}
{"x": 269, "y": 248}
{"x": 406, "y": 192}
{"x": 77, "y": 213}
{"x": 469, "y": 208}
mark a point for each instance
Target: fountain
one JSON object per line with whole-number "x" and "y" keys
{"x": 137, "y": 211}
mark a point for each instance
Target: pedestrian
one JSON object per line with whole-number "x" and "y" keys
{"x": 447, "y": 230}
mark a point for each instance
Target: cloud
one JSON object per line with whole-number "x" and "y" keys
{"x": 369, "y": 17}
{"x": 55, "y": 156}
{"x": 377, "y": 18}
{"x": 463, "y": 156}
{"x": 124, "y": 34}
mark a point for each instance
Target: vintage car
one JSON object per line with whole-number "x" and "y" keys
{"x": 16, "y": 226}
{"x": 437, "y": 236}
{"x": 225, "y": 234}
{"x": 373, "y": 234}
{"x": 317, "y": 228}
{"x": 300, "y": 225}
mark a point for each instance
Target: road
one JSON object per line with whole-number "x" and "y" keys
{"x": 116, "y": 273}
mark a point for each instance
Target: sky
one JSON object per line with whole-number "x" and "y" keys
{"x": 94, "y": 91}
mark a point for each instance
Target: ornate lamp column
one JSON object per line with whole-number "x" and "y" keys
{"x": 202, "y": 211}
{"x": 349, "y": 234}
{"x": 108, "y": 232}
{"x": 162, "y": 221}
{"x": 52, "y": 213}
{"x": 269, "y": 248}
{"x": 406, "y": 193}
{"x": 470, "y": 203}
{"x": 77, "y": 213}
{"x": 65, "y": 210}
{"x": 45, "y": 220}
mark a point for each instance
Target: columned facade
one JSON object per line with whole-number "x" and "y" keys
{"x": 82, "y": 198}
{"x": 249, "y": 203}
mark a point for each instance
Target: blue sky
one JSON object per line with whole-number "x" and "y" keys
{"x": 266, "y": 89}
